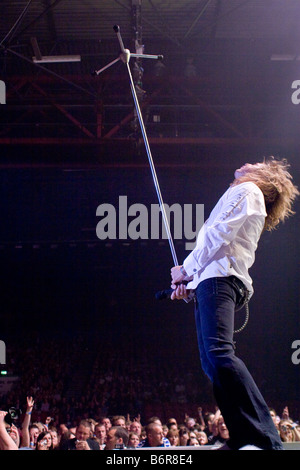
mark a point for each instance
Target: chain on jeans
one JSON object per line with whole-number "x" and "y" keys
{"x": 246, "y": 320}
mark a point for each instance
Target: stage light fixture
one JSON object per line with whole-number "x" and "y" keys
{"x": 285, "y": 57}
{"x": 38, "y": 58}
{"x": 51, "y": 59}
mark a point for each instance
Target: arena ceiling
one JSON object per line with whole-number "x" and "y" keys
{"x": 234, "y": 97}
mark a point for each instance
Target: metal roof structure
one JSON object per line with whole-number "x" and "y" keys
{"x": 217, "y": 84}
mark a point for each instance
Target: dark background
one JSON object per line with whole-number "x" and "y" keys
{"x": 58, "y": 278}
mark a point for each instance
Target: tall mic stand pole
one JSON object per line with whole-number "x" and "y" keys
{"x": 125, "y": 56}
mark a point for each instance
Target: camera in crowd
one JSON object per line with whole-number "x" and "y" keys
{"x": 12, "y": 415}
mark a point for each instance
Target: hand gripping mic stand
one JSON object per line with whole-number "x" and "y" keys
{"x": 125, "y": 56}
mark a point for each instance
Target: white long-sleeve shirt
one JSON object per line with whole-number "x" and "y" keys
{"x": 227, "y": 242}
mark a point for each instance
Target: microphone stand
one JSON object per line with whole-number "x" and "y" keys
{"x": 125, "y": 56}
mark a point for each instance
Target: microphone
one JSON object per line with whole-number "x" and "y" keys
{"x": 164, "y": 294}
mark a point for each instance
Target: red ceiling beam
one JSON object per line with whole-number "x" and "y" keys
{"x": 64, "y": 112}
{"x": 152, "y": 140}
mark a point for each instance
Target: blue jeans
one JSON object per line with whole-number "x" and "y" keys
{"x": 245, "y": 412}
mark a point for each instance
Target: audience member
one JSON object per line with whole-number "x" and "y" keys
{"x": 33, "y": 435}
{"x": 222, "y": 433}
{"x": 100, "y": 435}
{"x": 14, "y": 434}
{"x": 155, "y": 436}
{"x": 82, "y": 439}
{"x": 288, "y": 431}
{"x": 119, "y": 421}
{"x": 214, "y": 427}
{"x": 44, "y": 441}
{"x": 55, "y": 438}
{"x": 172, "y": 423}
{"x": 173, "y": 436}
{"x": 64, "y": 437}
{"x": 201, "y": 419}
{"x": 183, "y": 436}
{"x": 202, "y": 438}
{"x": 136, "y": 428}
{"x": 6, "y": 442}
{"x": 192, "y": 441}
{"x": 275, "y": 418}
{"x": 190, "y": 422}
{"x": 133, "y": 440}
{"x": 117, "y": 438}
{"x": 209, "y": 420}
{"x": 107, "y": 423}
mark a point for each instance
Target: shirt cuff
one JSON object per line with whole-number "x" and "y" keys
{"x": 190, "y": 265}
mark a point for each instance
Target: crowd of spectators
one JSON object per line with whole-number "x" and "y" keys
{"x": 79, "y": 378}
{"x": 84, "y": 396}
{"x": 120, "y": 432}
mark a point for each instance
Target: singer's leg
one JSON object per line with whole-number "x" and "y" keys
{"x": 244, "y": 410}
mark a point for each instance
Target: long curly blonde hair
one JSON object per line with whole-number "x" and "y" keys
{"x": 273, "y": 178}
